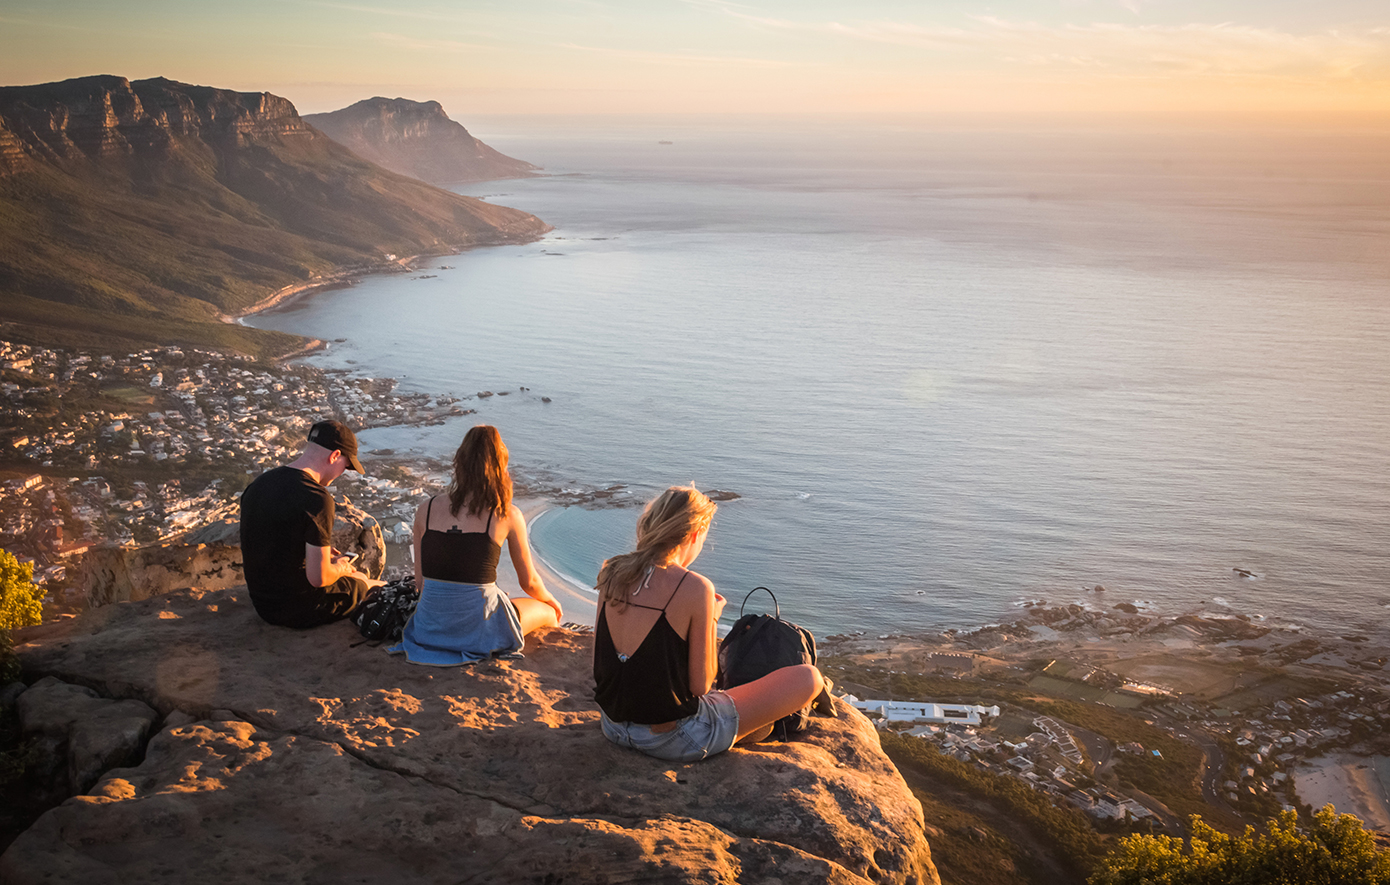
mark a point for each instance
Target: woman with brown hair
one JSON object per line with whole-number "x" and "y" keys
{"x": 462, "y": 615}
{"x": 656, "y": 647}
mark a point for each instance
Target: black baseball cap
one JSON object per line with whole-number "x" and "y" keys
{"x": 337, "y": 435}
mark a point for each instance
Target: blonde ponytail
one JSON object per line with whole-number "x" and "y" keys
{"x": 671, "y": 518}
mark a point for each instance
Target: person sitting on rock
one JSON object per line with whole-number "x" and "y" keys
{"x": 656, "y": 648}
{"x": 462, "y": 615}
{"x": 294, "y": 576}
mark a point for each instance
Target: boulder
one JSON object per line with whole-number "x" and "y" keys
{"x": 10, "y": 693}
{"x": 209, "y": 558}
{"x": 307, "y": 758}
{"x": 122, "y": 574}
{"x": 87, "y": 732}
{"x": 223, "y": 531}
{"x": 356, "y": 531}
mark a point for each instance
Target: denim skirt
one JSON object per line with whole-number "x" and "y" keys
{"x": 709, "y": 730}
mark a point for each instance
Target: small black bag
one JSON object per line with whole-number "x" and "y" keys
{"x": 382, "y": 615}
{"x": 759, "y": 644}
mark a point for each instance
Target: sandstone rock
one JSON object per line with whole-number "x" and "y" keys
{"x": 118, "y": 574}
{"x": 178, "y": 719}
{"x": 208, "y": 559}
{"x": 356, "y": 531}
{"x": 344, "y": 763}
{"x": 224, "y": 531}
{"x": 90, "y": 733}
{"x": 10, "y": 693}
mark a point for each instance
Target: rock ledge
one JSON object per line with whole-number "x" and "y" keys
{"x": 296, "y": 756}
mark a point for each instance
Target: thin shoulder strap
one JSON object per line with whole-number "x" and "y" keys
{"x": 428, "y": 508}
{"x": 677, "y": 590}
{"x": 489, "y": 523}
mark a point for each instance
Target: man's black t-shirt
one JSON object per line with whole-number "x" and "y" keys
{"x": 282, "y": 510}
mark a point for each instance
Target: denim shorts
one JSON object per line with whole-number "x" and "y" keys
{"x": 710, "y": 730}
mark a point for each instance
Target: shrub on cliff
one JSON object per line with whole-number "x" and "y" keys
{"x": 21, "y": 604}
{"x": 21, "y": 601}
{"x": 1333, "y": 848}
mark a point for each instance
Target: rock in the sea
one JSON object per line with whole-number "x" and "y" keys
{"x": 722, "y": 495}
{"x": 316, "y": 760}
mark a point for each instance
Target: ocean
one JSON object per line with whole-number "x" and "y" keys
{"x": 948, "y": 373}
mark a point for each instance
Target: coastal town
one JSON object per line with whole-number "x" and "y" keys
{"x": 143, "y": 448}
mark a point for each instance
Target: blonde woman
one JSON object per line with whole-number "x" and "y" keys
{"x": 463, "y": 616}
{"x": 656, "y": 648}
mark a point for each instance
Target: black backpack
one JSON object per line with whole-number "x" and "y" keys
{"x": 382, "y": 615}
{"x": 759, "y": 644}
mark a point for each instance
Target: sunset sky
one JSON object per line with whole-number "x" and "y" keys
{"x": 1282, "y": 61}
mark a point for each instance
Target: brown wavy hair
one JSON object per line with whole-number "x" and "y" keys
{"x": 481, "y": 483}
{"x": 668, "y": 520}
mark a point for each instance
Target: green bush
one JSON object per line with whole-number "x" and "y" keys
{"x": 21, "y": 601}
{"x": 1333, "y": 849}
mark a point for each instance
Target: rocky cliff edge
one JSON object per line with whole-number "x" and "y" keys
{"x": 301, "y": 756}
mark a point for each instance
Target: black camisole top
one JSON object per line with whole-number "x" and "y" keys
{"x": 653, "y": 685}
{"x": 463, "y": 557}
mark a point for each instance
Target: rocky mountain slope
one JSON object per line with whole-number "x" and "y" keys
{"x": 144, "y": 210}
{"x": 246, "y": 752}
{"x": 416, "y": 138}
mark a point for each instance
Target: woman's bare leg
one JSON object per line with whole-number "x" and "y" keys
{"x": 534, "y": 615}
{"x": 780, "y": 693}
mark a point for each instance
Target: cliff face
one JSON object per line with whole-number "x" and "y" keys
{"x": 101, "y": 119}
{"x": 294, "y": 755}
{"x": 416, "y": 138}
{"x": 146, "y": 208}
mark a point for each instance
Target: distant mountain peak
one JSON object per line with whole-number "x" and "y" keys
{"x": 418, "y": 139}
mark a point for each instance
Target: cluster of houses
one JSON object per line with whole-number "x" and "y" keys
{"x": 1048, "y": 760}
{"x": 1278, "y": 737}
{"x": 179, "y": 407}
{"x": 183, "y": 403}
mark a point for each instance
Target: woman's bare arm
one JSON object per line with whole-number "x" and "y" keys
{"x": 418, "y": 530}
{"x": 702, "y": 636}
{"x": 519, "y": 548}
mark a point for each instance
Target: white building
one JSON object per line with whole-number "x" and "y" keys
{"x": 919, "y": 711}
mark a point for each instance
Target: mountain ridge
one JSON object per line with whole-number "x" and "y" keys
{"x": 146, "y": 210}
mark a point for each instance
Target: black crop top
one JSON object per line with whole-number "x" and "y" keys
{"x": 464, "y": 557}
{"x": 653, "y": 685}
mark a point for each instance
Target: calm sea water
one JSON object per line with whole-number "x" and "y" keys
{"x": 946, "y": 372}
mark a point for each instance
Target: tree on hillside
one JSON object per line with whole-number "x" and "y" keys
{"x": 21, "y": 601}
{"x": 1333, "y": 849}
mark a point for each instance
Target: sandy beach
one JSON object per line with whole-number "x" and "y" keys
{"x": 1351, "y": 784}
{"x": 580, "y": 607}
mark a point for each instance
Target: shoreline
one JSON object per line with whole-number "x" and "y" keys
{"x": 287, "y": 296}
{"x": 580, "y": 607}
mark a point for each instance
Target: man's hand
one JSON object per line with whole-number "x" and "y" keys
{"x": 324, "y": 565}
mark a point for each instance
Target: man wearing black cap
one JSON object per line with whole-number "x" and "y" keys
{"x": 293, "y": 576}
